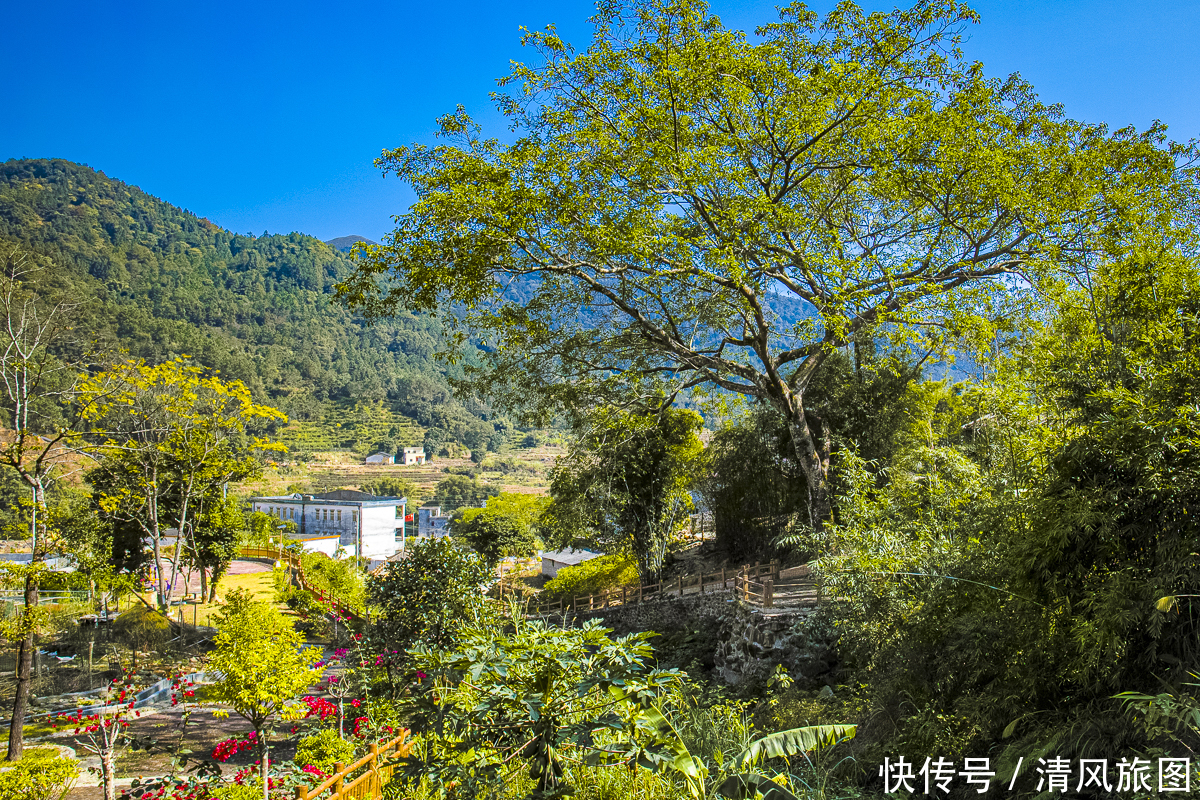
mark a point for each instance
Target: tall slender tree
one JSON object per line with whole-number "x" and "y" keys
{"x": 40, "y": 363}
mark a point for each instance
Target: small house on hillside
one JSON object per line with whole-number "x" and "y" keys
{"x": 553, "y": 561}
{"x": 411, "y": 456}
{"x": 381, "y": 458}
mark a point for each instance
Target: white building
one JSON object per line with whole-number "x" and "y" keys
{"x": 412, "y": 455}
{"x": 358, "y": 522}
{"x": 380, "y": 458}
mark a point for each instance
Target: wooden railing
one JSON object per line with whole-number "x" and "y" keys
{"x": 748, "y": 581}
{"x": 365, "y": 778}
{"x": 293, "y": 562}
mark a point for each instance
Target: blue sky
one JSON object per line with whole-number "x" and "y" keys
{"x": 267, "y": 115}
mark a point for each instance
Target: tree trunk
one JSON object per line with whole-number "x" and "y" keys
{"x": 203, "y": 582}
{"x": 108, "y": 774}
{"x": 16, "y": 730}
{"x": 266, "y": 764}
{"x": 814, "y": 464}
{"x": 219, "y": 570}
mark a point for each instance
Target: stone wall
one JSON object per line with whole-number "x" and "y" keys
{"x": 741, "y": 644}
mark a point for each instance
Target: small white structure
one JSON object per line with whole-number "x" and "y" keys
{"x": 411, "y": 456}
{"x": 326, "y": 543}
{"x": 358, "y": 522}
{"x": 381, "y": 458}
{"x": 555, "y": 560}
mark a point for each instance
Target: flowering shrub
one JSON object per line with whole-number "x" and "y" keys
{"x": 105, "y": 730}
{"x": 318, "y": 707}
{"x": 323, "y": 749}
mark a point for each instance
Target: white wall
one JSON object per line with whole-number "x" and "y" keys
{"x": 379, "y": 535}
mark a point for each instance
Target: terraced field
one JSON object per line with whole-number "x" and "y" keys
{"x": 517, "y": 470}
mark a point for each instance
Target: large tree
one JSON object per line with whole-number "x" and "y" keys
{"x": 682, "y": 202}
{"x": 167, "y": 437}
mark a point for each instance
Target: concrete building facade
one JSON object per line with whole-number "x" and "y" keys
{"x": 362, "y": 523}
{"x": 411, "y": 456}
{"x": 430, "y": 521}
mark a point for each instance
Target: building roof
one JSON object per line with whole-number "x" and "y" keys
{"x": 569, "y": 557}
{"x": 339, "y": 497}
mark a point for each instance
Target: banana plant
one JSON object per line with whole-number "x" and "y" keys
{"x": 745, "y": 784}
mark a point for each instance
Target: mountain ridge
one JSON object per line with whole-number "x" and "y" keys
{"x": 344, "y": 244}
{"x": 162, "y": 283}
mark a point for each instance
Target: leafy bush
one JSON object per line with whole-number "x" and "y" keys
{"x": 323, "y": 750}
{"x": 41, "y": 773}
{"x": 238, "y": 791}
{"x": 429, "y": 595}
{"x": 597, "y": 575}
{"x": 555, "y": 697}
{"x": 142, "y": 629}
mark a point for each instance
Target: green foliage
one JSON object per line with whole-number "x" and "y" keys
{"x": 595, "y": 575}
{"x": 261, "y": 310}
{"x": 263, "y": 662}
{"x": 462, "y": 491}
{"x": 537, "y": 699}
{"x": 429, "y": 595}
{"x": 624, "y": 485}
{"x": 393, "y": 487}
{"x": 506, "y": 526}
{"x": 142, "y": 629}
{"x": 38, "y": 776}
{"x": 323, "y": 749}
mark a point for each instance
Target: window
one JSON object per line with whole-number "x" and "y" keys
{"x": 339, "y": 516}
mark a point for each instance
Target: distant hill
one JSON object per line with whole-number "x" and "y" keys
{"x": 162, "y": 282}
{"x": 343, "y": 243}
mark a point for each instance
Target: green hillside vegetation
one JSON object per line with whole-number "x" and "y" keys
{"x": 162, "y": 282}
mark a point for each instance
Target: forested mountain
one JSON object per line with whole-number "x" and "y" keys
{"x": 343, "y": 244}
{"x": 161, "y": 282}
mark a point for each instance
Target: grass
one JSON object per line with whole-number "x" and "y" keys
{"x": 261, "y": 586}
{"x": 34, "y": 754}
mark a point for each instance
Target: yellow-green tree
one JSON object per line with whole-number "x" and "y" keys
{"x": 264, "y": 667}
{"x": 169, "y": 436}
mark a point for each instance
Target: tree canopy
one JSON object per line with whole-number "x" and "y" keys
{"x": 729, "y": 211}
{"x": 625, "y": 485}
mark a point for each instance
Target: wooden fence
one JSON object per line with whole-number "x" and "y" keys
{"x": 293, "y": 562}
{"x": 757, "y": 584}
{"x": 365, "y": 778}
